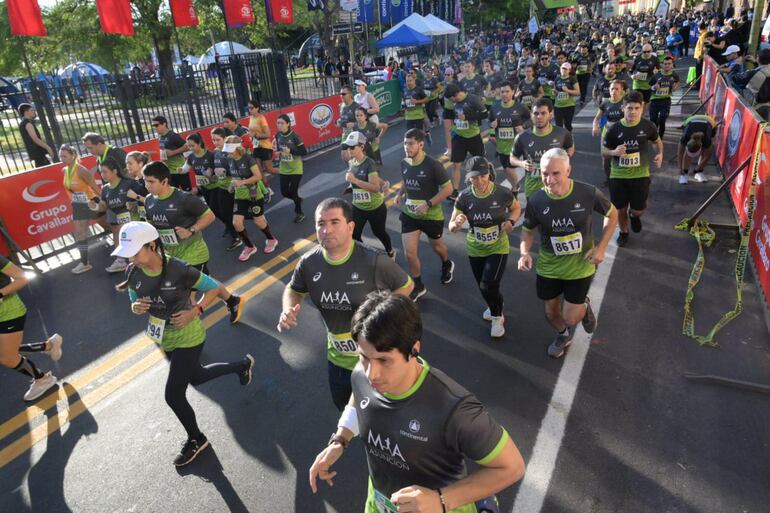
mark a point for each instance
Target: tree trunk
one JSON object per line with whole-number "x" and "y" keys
{"x": 165, "y": 61}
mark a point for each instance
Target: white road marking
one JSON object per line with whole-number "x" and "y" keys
{"x": 541, "y": 465}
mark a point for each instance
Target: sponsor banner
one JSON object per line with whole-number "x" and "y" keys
{"x": 183, "y": 13}
{"x": 238, "y": 12}
{"x": 759, "y": 240}
{"x": 315, "y": 122}
{"x": 708, "y": 84}
{"x": 366, "y": 11}
{"x": 25, "y": 18}
{"x": 388, "y": 95}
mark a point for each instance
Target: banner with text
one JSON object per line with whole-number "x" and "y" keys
{"x": 388, "y": 95}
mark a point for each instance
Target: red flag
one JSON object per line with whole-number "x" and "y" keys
{"x": 238, "y": 12}
{"x": 280, "y": 11}
{"x": 115, "y": 17}
{"x": 184, "y": 13}
{"x": 25, "y": 18}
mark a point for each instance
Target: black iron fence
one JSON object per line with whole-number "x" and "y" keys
{"x": 121, "y": 108}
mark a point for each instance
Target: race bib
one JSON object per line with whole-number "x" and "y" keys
{"x": 641, "y": 76}
{"x": 383, "y": 504}
{"x": 155, "y": 329}
{"x": 662, "y": 90}
{"x": 506, "y": 133}
{"x": 124, "y": 217}
{"x": 202, "y": 180}
{"x": 582, "y": 67}
{"x": 361, "y": 196}
{"x": 629, "y": 160}
{"x": 412, "y": 204}
{"x": 163, "y": 155}
{"x": 562, "y": 96}
{"x": 142, "y": 211}
{"x": 409, "y": 103}
{"x": 168, "y": 237}
{"x": 79, "y": 197}
{"x": 527, "y": 100}
{"x": 567, "y": 244}
{"x": 343, "y": 343}
{"x": 220, "y": 172}
{"x": 486, "y": 235}
{"x": 287, "y": 157}
{"x": 461, "y": 124}
{"x": 536, "y": 171}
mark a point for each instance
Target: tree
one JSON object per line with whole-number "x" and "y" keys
{"x": 156, "y": 25}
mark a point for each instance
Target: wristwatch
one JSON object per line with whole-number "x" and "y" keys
{"x": 192, "y": 229}
{"x": 335, "y": 438}
{"x": 429, "y": 203}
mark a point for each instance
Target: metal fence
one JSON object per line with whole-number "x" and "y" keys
{"x": 121, "y": 108}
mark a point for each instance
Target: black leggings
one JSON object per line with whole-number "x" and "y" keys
{"x": 488, "y": 272}
{"x": 222, "y": 206}
{"x": 290, "y": 189}
{"x": 583, "y": 80}
{"x": 659, "y": 110}
{"x": 563, "y": 116}
{"x": 377, "y": 219}
{"x": 186, "y": 369}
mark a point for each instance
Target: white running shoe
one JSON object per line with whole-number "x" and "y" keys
{"x": 498, "y": 327}
{"x": 700, "y": 177}
{"x": 487, "y": 315}
{"x": 81, "y": 268}
{"x": 682, "y": 179}
{"x": 40, "y": 386}
{"x": 118, "y": 266}
{"x": 55, "y": 350}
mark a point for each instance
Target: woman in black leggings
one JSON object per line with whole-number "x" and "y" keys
{"x": 367, "y": 186}
{"x": 162, "y": 287}
{"x": 291, "y": 148}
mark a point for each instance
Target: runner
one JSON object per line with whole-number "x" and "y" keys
{"x": 162, "y": 287}
{"x": 263, "y": 147}
{"x": 628, "y": 143}
{"x": 663, "y": 85}
{"x": 414, "y": 105}
{"x": 491, "y": 211}
{"x": 529, "y": 90}
{"x": 233, "y": 127}
{"x": 610, "y": 112}
{"x": 347, "y": 120}
{"x": 291, "y": 148}
{"x": 223, "y": 199}
{"x": 563, "y": 212}
{"x": 507, "y": 119}
{"x": 172, "y": 150}
{"x": 180, "y": 219}
{"x": 135, "y": 162}
{"x": 642, "y": 70}
{"x": 97, "y": 146}
{"x": 81, "y": 187}
{"x": 566, "y": 88}
{"x": 368, "y": 200}
{"x": 245, "y": 173}
{"x": 13, "y": 315}
{"x": 448, "y": 112}
{"x": 469, "y": 110}
{"x": 699, "y": 128}
{"x": 417, "y": 424}
{"x": 530, "y": 145}
{"x": 338, "y": 274}
{"x": 602, "y": 85}
{"x": 201, "y": 162}
{"x": 424, "y": 186}
{"x": 584, "y": 65}
{"x": 367, "y": 100}
{"x": 547, "y": 73}
{"x": 434, "y": 89}
{"x": 373, "y": 133}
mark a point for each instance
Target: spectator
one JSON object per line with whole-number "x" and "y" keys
{"x": 734, "y": 64}
{"x": 674, "y": 42}
{"x": 343, "y": 70}
{"x": 759, "y": 85}
{"x": 37, "y": 149}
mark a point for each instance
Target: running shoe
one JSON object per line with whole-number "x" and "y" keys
{"x": 269, "y": 196}
{"x": 392, "y": 254}
{"x": 589, "y": 319}
{"x": 118, "y": 266}
{"x": 448, "y": 153}
{"x": 487, "y": 315}
{"x": 682, "y": 179}
{"x": 236, "y": 243}
{"x": 40, "y": 386}
{"x": 700, "y": 177}
{"x": 498, "y": 327}
{"x": 417, "y": 292}
{"x": 447, "y": 271}
{"x": 82, "y": 268}
{"x": 270, "y": 245}
{"x": 246, "y": 253}
{"x": 299, "y": 218}
{"x": 560, "y": 344}
{"x": 235, "y": 310}
{"x": 636, "y": 223}
{"x": 245, "y": 374}
{"x": 190, "y": 450}
{"x": 622, "y": 239}
{"x": 54, "y": 351}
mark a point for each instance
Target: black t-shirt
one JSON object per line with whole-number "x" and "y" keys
{"x": 33, "y": 150}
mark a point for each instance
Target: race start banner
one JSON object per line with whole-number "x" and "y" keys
{"x": 388, "y": 95}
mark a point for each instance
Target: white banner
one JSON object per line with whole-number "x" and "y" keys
{"x": 533, "y": 25}
{"x": 662, "y": 9}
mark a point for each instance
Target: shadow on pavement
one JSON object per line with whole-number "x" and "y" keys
{"x": 208, "y": 467}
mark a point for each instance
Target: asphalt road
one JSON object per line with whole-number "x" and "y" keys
{"x": 632, "y": 436}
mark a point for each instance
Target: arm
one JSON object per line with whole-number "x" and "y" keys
{"x": 456, "y": 221}
{"x": 597, "y": 120}
{"x": 291, "y": 302}
{"x": 334, "y": 450}
{"x": 19, "y": 281}
{"x": 659, "y": 155}
{"x": 596, "y": 254}
{"x": 374, "y": 106}
{"x": 256, "y": 176}
{"x": 372, "y": 185}
{"x": 210, "y": 288}
{"x": 88, "y": 178}
{"x": 178, "y": 151}
{"x": 37, "y": 140}
{"x": 442, "y": 194}
{"x": 527, "y": 239}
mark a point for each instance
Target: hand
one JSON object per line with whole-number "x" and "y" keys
{"x": 183, "y": 233}
{"x": 595, "y": 255}
{"x": 219, "y": 171}
{"x": 286, "y": 150}
{"x": 529, "y": 166}
{"x": 349, "y": 177}
{"x": 132, "y": 195}
{"x": 493, "y": 124}
{"x": 507, "y": 226}
{"x": 620, "y": 150}
{"x": 525, "y": 262}
{"x": 421, "y": 209}
{"x": 377, "y": 140}
{"x": 141, "y": 305}
{"x": 93, "y": 205}
{"x": 322, "y": 464}
{"x": 397, "y": 201}
{"x": 658, "y": 159}
{"x": 288, "y": 319}
{"x": 183, "y": 318}
{"x": 461, "y": 116}
{"x": 416, "y": 499}
{"x": 236, "y": 183}
{"x": 595, "y": 131}
{"x": 350, "y": 125}
{"x": 459, "y": 221}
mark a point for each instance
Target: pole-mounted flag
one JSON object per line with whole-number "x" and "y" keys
{"x": 25, "y": 18}
{"x": 115, "y": 17}
{"x": 183, "y": 13}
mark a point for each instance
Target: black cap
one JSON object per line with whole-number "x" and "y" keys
{"x": 477, "y": 166}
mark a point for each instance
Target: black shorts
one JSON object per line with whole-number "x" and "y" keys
{"x": 574, "y": 291}
{"x": 462, "y": 146}
{"x": 181, "y": 182}
{"x": 433, "y": 229}
{"x": 415, "y": 123}
{"x": 249, "y": 208}
{"x": 697, "y": 127}
{"x": 449, "y": 114}
{"x": 81, "y": 212}
{"x": 204, "y": 267}
{"x": 646, "y": 93}
{"x": 13, "y": 325}
{"x": 631, "y": 192}
{"x": 263, "y": 154}
{"x": 505, "y": 160}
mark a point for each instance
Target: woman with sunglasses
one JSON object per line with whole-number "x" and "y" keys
{"x": 259, "y": 129}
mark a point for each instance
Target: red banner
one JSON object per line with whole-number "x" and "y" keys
{"x": 238, "y": 12}
{"x": 25, "y": 18}
{"x": 708, "y": 82}
{"x": 279, "y": 11}
{"x": 759, "y": 241}
{"x": 184, "y": 13}
{"x": 115, "y": 17}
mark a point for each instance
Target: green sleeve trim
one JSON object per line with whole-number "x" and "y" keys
{"x": 406, "y": 283}
{"x": 448, "y": 182}
{"x": 208, "y": 211}
{"x": 297, "y": 291}
{"x": 496, "y": 451}
{"x": 6, "y": 266}
{"x": 611, "y": 209}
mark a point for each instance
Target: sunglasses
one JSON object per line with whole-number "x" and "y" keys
{"x": 343, "y": 94}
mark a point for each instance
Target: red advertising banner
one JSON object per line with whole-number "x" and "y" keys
{"x": 184, "y": 13}
{"x": 238, "y": 12}
{"x": 708, "y": 84}
{"x": 759, "y": 241}
{"x": 25, "y": 18}
{"x": 279, "y": 11}
{"x": 115, "y": 17}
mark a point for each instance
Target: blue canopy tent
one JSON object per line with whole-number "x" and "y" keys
{"x": 403, "y": 37}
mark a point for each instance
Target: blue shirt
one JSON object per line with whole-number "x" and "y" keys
{"x": 671, "y": 41}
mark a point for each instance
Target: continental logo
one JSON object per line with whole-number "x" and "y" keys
{"x": 321, "y": 116}
{"x": 384, "y": 98}
{"x": 734, "y": 135}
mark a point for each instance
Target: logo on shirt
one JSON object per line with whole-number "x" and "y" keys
{"x": 364, "y": 403}
{"x": 482, "y": 216}
{"x": 138, "y": 285}
{"x": 562, "y": 225}
{"x": 335, "y": 300}
{"x": 546, "y": 210}
{"x": 414, "y": 426}
{"x": 354, "y": 276}
{"x": 316, "y": 276}
{"x": 414, "y": 429}
{"x": 382, "y": 448}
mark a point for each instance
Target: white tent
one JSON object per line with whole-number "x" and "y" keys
{"x": 221, "y": 48}
{"x": 414, "y": 22}
{"x": 439, "y": 26}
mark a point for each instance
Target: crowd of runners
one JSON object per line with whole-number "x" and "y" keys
{"x": 523, "y": 101}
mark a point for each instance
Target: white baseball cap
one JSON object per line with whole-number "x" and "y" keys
{"x": 354, "y": 139}
{"x": 133, "y": 236}
{"x": 230, "y": 147}
{"x": 732, "y": 49}
{"x": 359, "y": 82}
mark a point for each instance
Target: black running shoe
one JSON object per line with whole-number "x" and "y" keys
{"x": 235, "y": 310}
{"x": 622, "y": 239}
{"x": 190, "y": 450}
{"x": 447, "y": 271}
{"x": 417, "y": 292}
{"x": 245, "y": 374}
{"x": 235, "y": 243}
{"x": 560, "y": 344}
{"x": 589, "y": 319}
{"x": 636, "y": 223}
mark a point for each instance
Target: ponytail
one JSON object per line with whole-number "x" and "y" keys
{"x": 132, "y": 268}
